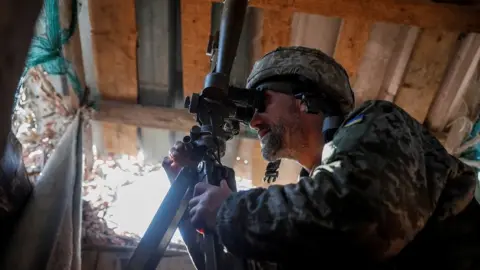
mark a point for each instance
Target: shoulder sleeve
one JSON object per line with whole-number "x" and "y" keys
{"x": 368, "y": 199}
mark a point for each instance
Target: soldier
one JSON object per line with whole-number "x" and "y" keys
{"x": 377, "y": 190}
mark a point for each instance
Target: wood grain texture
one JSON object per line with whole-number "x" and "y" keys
{"x": 425, "y": 71}
{"x": 114, "y": 42}
{"x": 422, "y": 14}
{"x": 373, "y": 67}
{"x": 398, "y": 62}
{"x": 277, "y": 26}
{"x": 145, "y": 116}
{"x": 315, "y": 31}
{"x": 351, "y": 43}
{"x": 195, "y": 22}
{"x": 456, "y": 83}
{"x": 114, "y": 49}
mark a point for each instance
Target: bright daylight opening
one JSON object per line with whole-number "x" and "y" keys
{"x": 126, "y": 192}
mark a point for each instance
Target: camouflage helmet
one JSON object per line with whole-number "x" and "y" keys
{"x": 311, "y": 64}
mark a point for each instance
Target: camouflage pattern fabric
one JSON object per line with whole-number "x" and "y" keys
{"x": 311, "y": 64}
{"x": 15, "y": 188}
{"x": 389, "y": 196}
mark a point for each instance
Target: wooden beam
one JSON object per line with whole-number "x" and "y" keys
{"x": 114, "y": 48}
{"x": 456, "y": 83}
{"x": 145, "y": 116}
{"x": 398, "y": 62}
{"x": 372, "y": 68}
{"x": 277, "y": 26}
{"x": 136, "y": 115}
{"x": 114, "y": 39}
{"x": 425, "y": 15}
{"x": 315, "y": 31}
{"x": 470, "y": 3}
{"x": 351, "y": 43}
{"x": 195, "y": 22}
{"x": 425, "y": 71}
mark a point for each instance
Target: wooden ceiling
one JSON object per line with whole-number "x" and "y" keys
{"x": 419, "y": 54}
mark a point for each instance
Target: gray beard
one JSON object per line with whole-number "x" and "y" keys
{"x": 272, "y": 143}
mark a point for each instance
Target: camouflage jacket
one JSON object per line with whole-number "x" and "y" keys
{"x": 388, "y": 196}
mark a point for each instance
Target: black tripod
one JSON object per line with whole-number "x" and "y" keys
{"x": 219, "y": 119}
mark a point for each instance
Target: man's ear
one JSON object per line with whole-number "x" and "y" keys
{"x": 303, "y": 106}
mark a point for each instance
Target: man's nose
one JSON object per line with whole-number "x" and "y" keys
{"x": 256, "y": 121}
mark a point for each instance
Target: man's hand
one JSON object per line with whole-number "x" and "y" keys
{"x": 178, "y": 157}
{"x": 205, "y": 203}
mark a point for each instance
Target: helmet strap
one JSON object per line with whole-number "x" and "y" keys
{"x": 330, "y": 126}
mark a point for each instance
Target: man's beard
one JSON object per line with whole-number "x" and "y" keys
{"x": 273, "y": 143}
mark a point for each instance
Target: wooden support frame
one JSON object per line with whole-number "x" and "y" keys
{"x": 398, "y": 62}
{"x": 422, "y": 14}
{"x": 145, "y": 116}
{"x": 425, "y": 71}
{"x": 455, "y": 84}
{"x": 114, "y": 48}
{"x": 196, "y": 19}
{"x": 351, "y": 43}
{"x": 276, "y": 29}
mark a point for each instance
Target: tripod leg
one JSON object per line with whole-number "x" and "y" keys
{"x": 152, "y": 247}
{"x": 213, "y": 252}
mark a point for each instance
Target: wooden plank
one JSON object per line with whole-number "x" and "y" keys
{"x": 456, "y": 83}
{"x": 148, "y": 117}
{"x": 114, "y": 42}
{"x": 277, "y": 26}
{"x": 118, "y": 138}
{"x": 425, "y": 71}
{"x": 315, "y": 31}
{"x": 351, "y": 43}
{"x": 398, "y": 62}
{"x": 89, "y": 259}
{"x": 114, "y": 45}
{"x": 425, "y": 15}
{"x": 145, "y": 116}
{"x": 195, "y": 22}
{"x": 16, "y": 28}
{"x": 108, "y": 261}
{"x": 471, "y": 3}
{"x": 373, "y": 66}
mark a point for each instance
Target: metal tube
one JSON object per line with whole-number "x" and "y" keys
{"x": 158, "y": 235}
{"x": 230, "y": 30}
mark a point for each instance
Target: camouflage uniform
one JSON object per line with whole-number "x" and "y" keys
{"x": 388, "y": 196}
